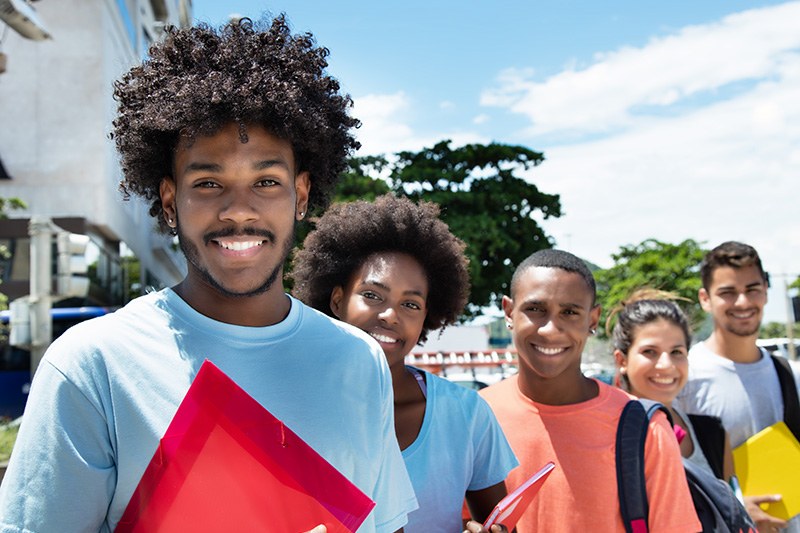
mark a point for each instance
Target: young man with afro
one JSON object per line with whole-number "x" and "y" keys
{"x": 394, "y": 270}
{"x": 231, "y": 135}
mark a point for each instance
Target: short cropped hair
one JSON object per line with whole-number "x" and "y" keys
{"x": 550, "y": 258}
{"x": 349, "y": 233}
{"x": 198, "y": 80}
{"x": 733, "y": 254}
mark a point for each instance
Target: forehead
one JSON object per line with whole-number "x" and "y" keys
{"x": 553, "y": 285}
{"x": 225, "y": 148}
{"x": 393, "y": 270}
{"x": 659, "y": 331}
{"x": 728, "y": 276}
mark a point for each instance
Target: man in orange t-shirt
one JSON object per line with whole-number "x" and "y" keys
{"x": 551, "y": 412}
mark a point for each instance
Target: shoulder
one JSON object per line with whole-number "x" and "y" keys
{"x": 319, "y": 326}
{"x": 455, "y": 396}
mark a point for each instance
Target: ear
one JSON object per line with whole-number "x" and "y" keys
{"x": 705, "y": 300}
{"x": 620, "y": 360}
{"x": 594, "y": 317}
{"x": 302, "y": 187}
{"x": 167, "y": 192}
{"x": 508, "y": 310}
{"x": 336, "y": 301}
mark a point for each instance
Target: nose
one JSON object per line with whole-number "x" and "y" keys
{"x": 664, "y": 360}
{"x": 741, "y": 300}
{"x": 388, "y": 315}
{"x": 236, "y": 206}
{"x": 549, "y": 327}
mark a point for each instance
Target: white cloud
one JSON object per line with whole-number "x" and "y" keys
{"x": 616, "y": 90}
{"x": 386, "y": 126}
{"x": 481, "y": 119}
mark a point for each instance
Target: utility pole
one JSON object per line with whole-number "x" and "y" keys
{"x": 41, "y": 231}
{"x": 789, "y": 321}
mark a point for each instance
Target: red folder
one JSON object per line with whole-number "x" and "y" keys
{"x": 509, "y": 510}
{"x": 226, "y": 464}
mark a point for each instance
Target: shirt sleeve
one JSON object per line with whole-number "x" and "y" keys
{"x": 493, "y": 457}
{"x": 671, "y": 507}
{"x": 61, "y": 475}
{"x": 393, "y": 494}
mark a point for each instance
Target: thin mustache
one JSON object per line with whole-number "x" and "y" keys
{"x": 231, "y": 232}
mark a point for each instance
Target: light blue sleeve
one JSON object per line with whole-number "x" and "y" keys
{"x": 61, "y": 475}
{"x": 393, "y": 494}
{"x": 493, "y": 458}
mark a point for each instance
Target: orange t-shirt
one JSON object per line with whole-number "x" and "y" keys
{"x": 581, "y": 492}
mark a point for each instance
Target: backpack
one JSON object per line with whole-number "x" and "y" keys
{"x": 791, "y": 404}
{"x": 717, "y": 507}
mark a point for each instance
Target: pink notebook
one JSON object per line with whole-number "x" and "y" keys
{"x": 509, "y": 510}
{"x": 226, "y": 464}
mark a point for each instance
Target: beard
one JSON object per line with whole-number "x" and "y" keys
{"x": 744, "y": 332}
{"x": 190, "y": 251}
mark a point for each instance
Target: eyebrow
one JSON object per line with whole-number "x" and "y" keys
{"x": 386, "y": 288}
{"x": 748, "y": 286}
{"x": 216, "y": 168}
{"x": 562, "y": 306}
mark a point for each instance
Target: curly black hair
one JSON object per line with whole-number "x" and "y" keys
{"x": 349, "y": 233}
{"x": 199, "y": 79}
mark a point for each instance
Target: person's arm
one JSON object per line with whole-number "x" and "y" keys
{"x": 61, "y": 475}
{"x": 482, "y": 502}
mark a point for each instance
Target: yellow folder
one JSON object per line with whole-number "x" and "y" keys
{"x": 769, "y": 463}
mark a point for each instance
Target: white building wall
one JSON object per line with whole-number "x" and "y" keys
{"x": 56, "y": 108}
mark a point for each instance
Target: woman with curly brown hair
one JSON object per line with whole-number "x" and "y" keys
{"x": 231, "y": 136}
{"x": 395, "y": 271}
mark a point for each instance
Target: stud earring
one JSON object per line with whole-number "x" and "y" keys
{"x": 302, "y": 213}
{"x": 508, "y": 326}
{"x": 592, "y": 332}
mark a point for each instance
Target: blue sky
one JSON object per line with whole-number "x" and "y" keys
{"x": 667, "y": 120}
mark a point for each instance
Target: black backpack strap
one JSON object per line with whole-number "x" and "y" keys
{"x": 711, "y": 437}
{"x": 791, "y": 404}
{"x": 631, "y": 434}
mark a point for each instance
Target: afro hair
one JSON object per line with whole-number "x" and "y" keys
{"x": 349, "y": 233}
{"x": 199, "y": 79}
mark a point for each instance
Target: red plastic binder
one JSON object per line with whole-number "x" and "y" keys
{"x": 509, "y": 510}
{"x": 226, "y": 464}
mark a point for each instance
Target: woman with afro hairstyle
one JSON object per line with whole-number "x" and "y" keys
{"x": 231, "y": 136}
{"x": 394, "y": 270}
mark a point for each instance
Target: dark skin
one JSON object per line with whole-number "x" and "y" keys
{"x": 387, "y": 298}
{"x": 235, "y": 205}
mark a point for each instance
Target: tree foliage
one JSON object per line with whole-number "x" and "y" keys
{"x": 665, "y": 266}
{"x": 482, "y": 199}
{"x": 772, "y": 330}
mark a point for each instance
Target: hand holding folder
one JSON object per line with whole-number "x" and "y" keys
{"x": 510, "y": 509}
{"x": 226, "y": 464}
{"x": 769, "y": 463}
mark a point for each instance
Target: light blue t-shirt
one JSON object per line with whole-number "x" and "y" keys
{"x": 108, "y": 388}
{"x": 460, "y": 448}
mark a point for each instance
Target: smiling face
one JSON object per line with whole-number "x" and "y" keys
{"x": 735, "y": 298}
{"x": 386, "y": 297}
{"x": 551, "y": 315}
{"x": 656, "y": 365}
{"x": 235, "y": 206}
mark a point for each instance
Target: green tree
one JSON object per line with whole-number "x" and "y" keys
{"x": 772, "y": 330}
{"x": 7, "y": 204}
{"x": 482, "y": 200}
{"x": 665, "y": 266}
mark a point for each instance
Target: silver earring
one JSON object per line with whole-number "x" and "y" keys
{"x": 592, "y": 332}
{"x": 508, "y": 326}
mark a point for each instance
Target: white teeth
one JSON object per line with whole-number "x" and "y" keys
{"x": 239, "y": 246}
{"x": 664, "y": 381}
{"x": 383, "y": 338}
{"x": 549, "y": 351}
